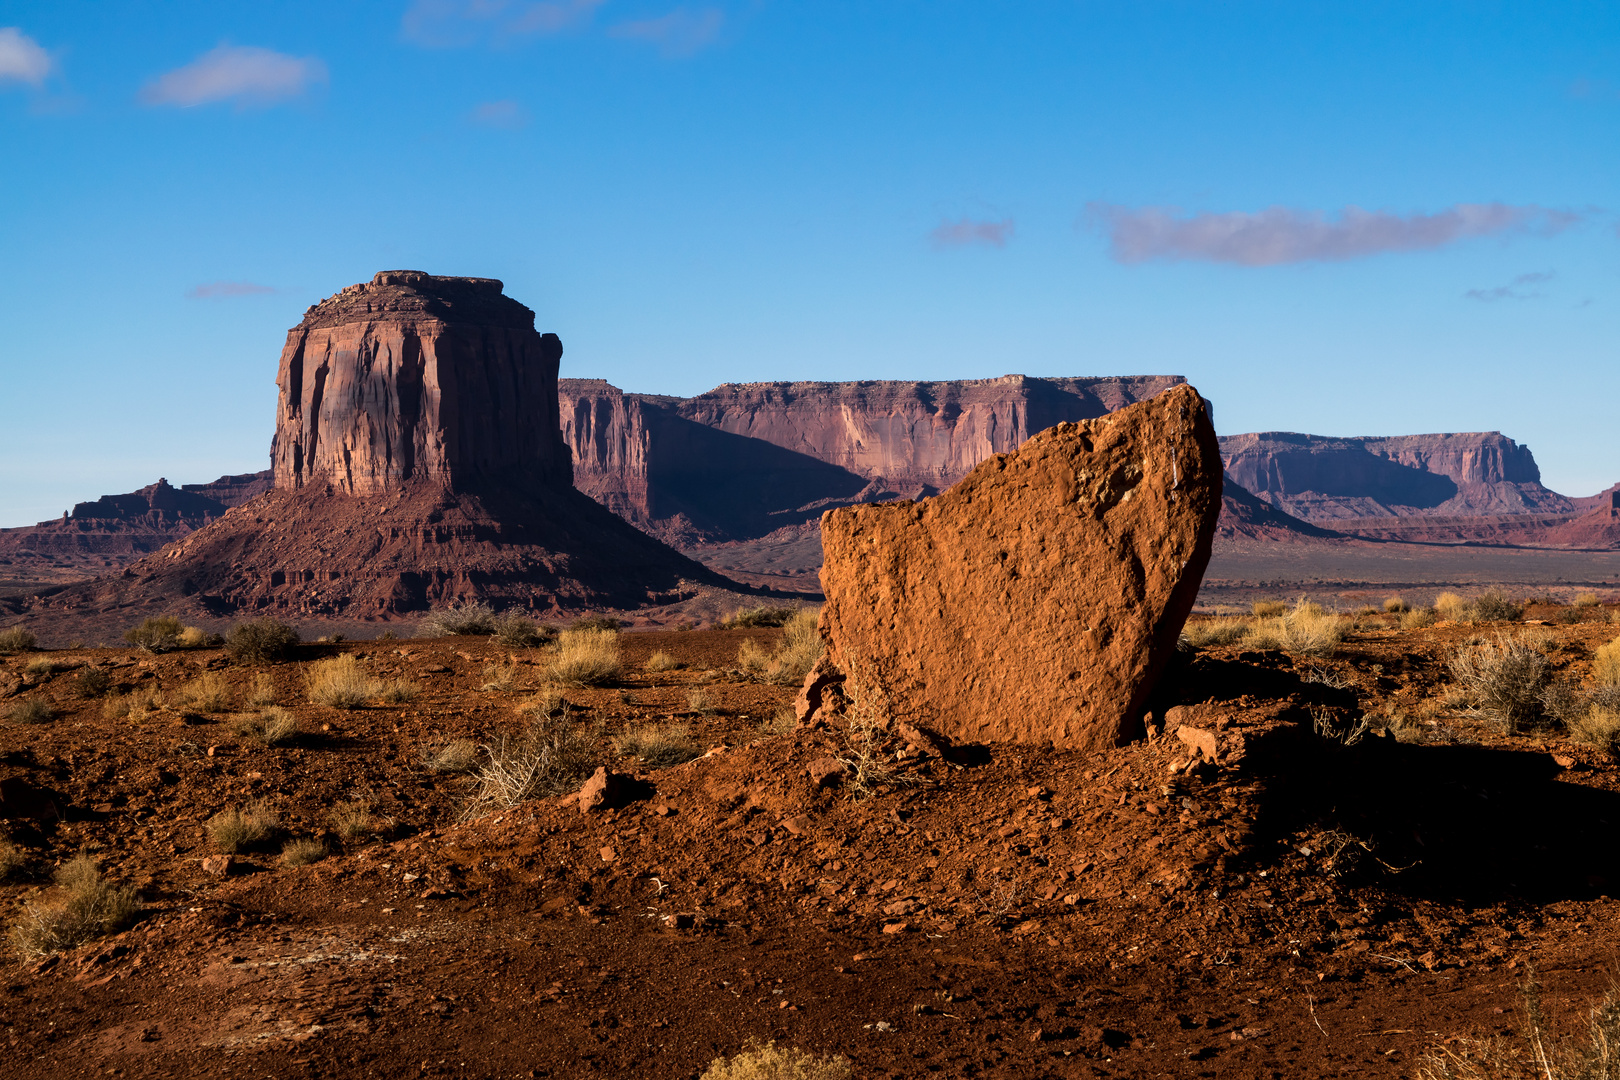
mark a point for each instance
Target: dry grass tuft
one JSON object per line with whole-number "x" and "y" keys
{"x": 1606, "y": 664}
{"x": 1396, "y": 605}
{"x": 46, "y": 666}
{"x": 13, "y": 861}
{"x": 780, "y": 722}
{"x": 549, "y": 757}
{"x": 341, "y": 683}
{"x": 598, "y": 622}
{"x": 272, "y": 726}
{"x": 1586, "y": 600}
{"x": 88, "y": 908}
{"x": 303, "y": 852}
{"x": 16, "y": 639}
{"x": 698, "y": 701}
{"x": 1269, "y": 609}
{"x": 791, "y": 662}
{"x": 236, "y": 830}
{"x": 1417, "y": 619}
{"x": 1504, "y": 679}
{"x": 353, "y": 820}
{"x": 658, "y": 747}
{"x": 207, "y": 693}
{"x": 662, "y": 661}
{"x": 1594, "y": 1054}
{"x": 156, "y": 635}
{"x": 260, "y": 641}
{"x": 503, "y": 677}
{"x": 1496, "y": 606}
{"x": 1210, "y": 632}
{"x": 767, "y": 1061}
{"x": 92, "y": 682}
{"x": 263, "y": 692}
{"x": 455, "y": 756}
{"x": 752, "y": 658}
{"x": 1306, "y": 629}
{"x": 1597, "y": 725}
{"x": 195, "y": 637}
{"x": 474, "y": 618}
{"x": 1451, "y": 607}
{"x": 750, "y": 618}
{"x": 515, "y": 631}
{"x": 586, "y": 658}
{"x": 30, "y": 711}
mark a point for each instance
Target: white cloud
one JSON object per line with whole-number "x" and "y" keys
{"x": 1520, "y": 288}
{"x": 1280, "y": 235}
{"x": 216, "y": 289}
{"x": 967, "y": 231}
{"x": 500, "y": 114}
{"x": 452, "y": 23}
{"x": 21, "y": 58}
{"x": 680, "y": 33}
{"x": 250, "y": 75}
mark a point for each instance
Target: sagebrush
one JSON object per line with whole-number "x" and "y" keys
{"x": 86, "y": 908}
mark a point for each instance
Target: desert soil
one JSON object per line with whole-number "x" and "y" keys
{"x": 1295, "y": 909}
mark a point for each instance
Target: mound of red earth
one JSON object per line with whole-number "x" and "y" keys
{"x": 417, "y": 460}
{"x": 1037, "y": 600}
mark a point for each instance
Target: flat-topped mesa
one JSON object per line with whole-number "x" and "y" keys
{"x": 413, "y": 377}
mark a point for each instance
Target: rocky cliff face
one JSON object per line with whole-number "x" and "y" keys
{"x": 416, "y": 377}
{"x": 746, "y": 460}
{"x": 1324, "y": 479}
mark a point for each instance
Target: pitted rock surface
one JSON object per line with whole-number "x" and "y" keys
{"x": 1039, "y": 598}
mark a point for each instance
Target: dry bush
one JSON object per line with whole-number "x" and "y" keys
{"x": 756, "y": 617}
{"x": 13, "y": 861}
{"x": 1269, "y": 609}
{"x": 260, "y": 641}
{"x": 1451, "y": 607}
{"x": 515, "y": 631}
{"x": 263, "y": 691}
{"x": 1306, "y": 629}
{"x": 396, "y": 691}
{"x": 1593, "y": 1054}
{"x": 782, "y": 721}
{"x": 1504, "y": 679}
{"x": 768, "y": 1061}
{"x": 503, "y": 677}
{"x": 46, "y": 666}
{"x": 658, "y": 746}
{"x": 1417, "y": 619}
{"x": 353, "y": 820}
{"x": 662, "y": 661}
{"x": 16, "y": 639}
{"x": 473, "y": 618}
{"x": 1496, "y": 606}
{"x": 303, "y": 852}
{"x": 208, "y": 693}
{"x": 597, "y": 622}
{"x": 1597, "y": 725}
{"x": 547, "y": 704}
{"x": 586, "y": 658}
{"x": 1210, "y": 632}
{"x": 236, "y": 830}
{"x": 548, "y": 758}
{"x": 752, "y": 658}
{"x": 1586, "y": 600}
{"x": 698, "y": 701}
{"x": 801, "y": 648}
{"x": 454, "y": 756}
{"x": 1396, "y": 605}
{"x": 156, "y": 635}
{"x": 195, "y": 637}
{"x": 30, "y": 711}
{"x": 341, "y": 683}
{"x": 88, "y": 908}
{"x": 272, "y": 727}
{"x": 92, "y": 682}
{"x": 1606, "y": 664}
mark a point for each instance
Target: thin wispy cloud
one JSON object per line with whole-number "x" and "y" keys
{"x": 506, "y": 114}
{"x": 1522, "y": 287}
{"x": 1280, "y": 235}
{"x": 247, "y": 75}
{"x": 22, "y": 59}
{"x": 966, "y": 232}
{"x": 458, "y": 23}
{"x": 682, "y": 32}
{"x": 217, "y": 290}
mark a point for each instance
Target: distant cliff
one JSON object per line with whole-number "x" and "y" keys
{"x": 1324, "y": 480}
{"x": 746, "y": 459}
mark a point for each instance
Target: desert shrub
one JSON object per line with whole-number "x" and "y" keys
{"x": 1606, "y": 664}
{"x": 1586, "y": 600}
{"x": 303, "y": 852}
{"x": 454, "y": 756}
{"x": 395, "y": 691}
{"x": 597, "y": 622}
{"x": 30, "y": 711}
{"x": 195, "y": 637}
{"x": 1504, "y": 678}
{"x": 1306, "y": 629}
{"x": 782, "y": 721}
{"x": 156, "y": 635}
{"x": 586, "y": 658}
{"x": 13, "y": 861}
{"x": 1396, "y": 605}
{"x": 546, "y": 704}
{"x": 1591, "y": 1053}
{"x": 1269, "y": 609}
{"x": 698, "y": 701}
{"x": 768, "y": 1061}
{"x": 341, "y": 683}
{"x": 16, "y": 639}
{"x": 260, "y": 641}
{"x": 353, "y": 820}
{"x": 502, "y": 677}
{"x": 136, "y": 705}
{"x": 1417, "y": 619}
{"x": 472, "y": 618}
{"x": 87, "y": 908}
{"x": 1451, "y": 607}
{"x": 272, "y": 727}
{"x": 751, "y": 657}
{"x": 236, "y": 829}
{"x": 515, "y": 631}
{"x": 801, "y": 648}
{"x": 662, "y": 661}
{"x": 46, "y": 666}
{"x": 1564, "y": 702}
{"x": 1496, "y": 606}
{"x": 658, "y": 746}
{"x": 1598, "y": 725}
{"x": 757, "y": 616}
{"x": 263, "y": 691}
{"x": 208, "y": 692}
{"x": 92, "y": 682}
{"x": 550, "y": 756}
{"x": 1209, "y": 632}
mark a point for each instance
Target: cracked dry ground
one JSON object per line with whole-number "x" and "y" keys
{"x": 1299, "y": 909}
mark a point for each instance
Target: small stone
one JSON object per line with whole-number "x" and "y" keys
{"x": 218, "y": 865}
{"x": 896, "y": 927}
{"x": 826, "y": 772}
{"x": 608, "y": 854}
{"x": 600, "y": 791}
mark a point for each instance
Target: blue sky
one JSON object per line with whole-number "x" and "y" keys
{"x": 1368, "y": 218}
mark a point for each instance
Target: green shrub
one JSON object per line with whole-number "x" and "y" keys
{"x": 260, "y": 641}
{"x": 157, "y": 635}
{"x": 92, "y": 683}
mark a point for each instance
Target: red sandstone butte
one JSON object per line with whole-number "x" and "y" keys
{"x": 1040, "y": 597}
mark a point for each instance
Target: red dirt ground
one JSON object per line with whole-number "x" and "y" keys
{"x": 1299, "y": 909}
